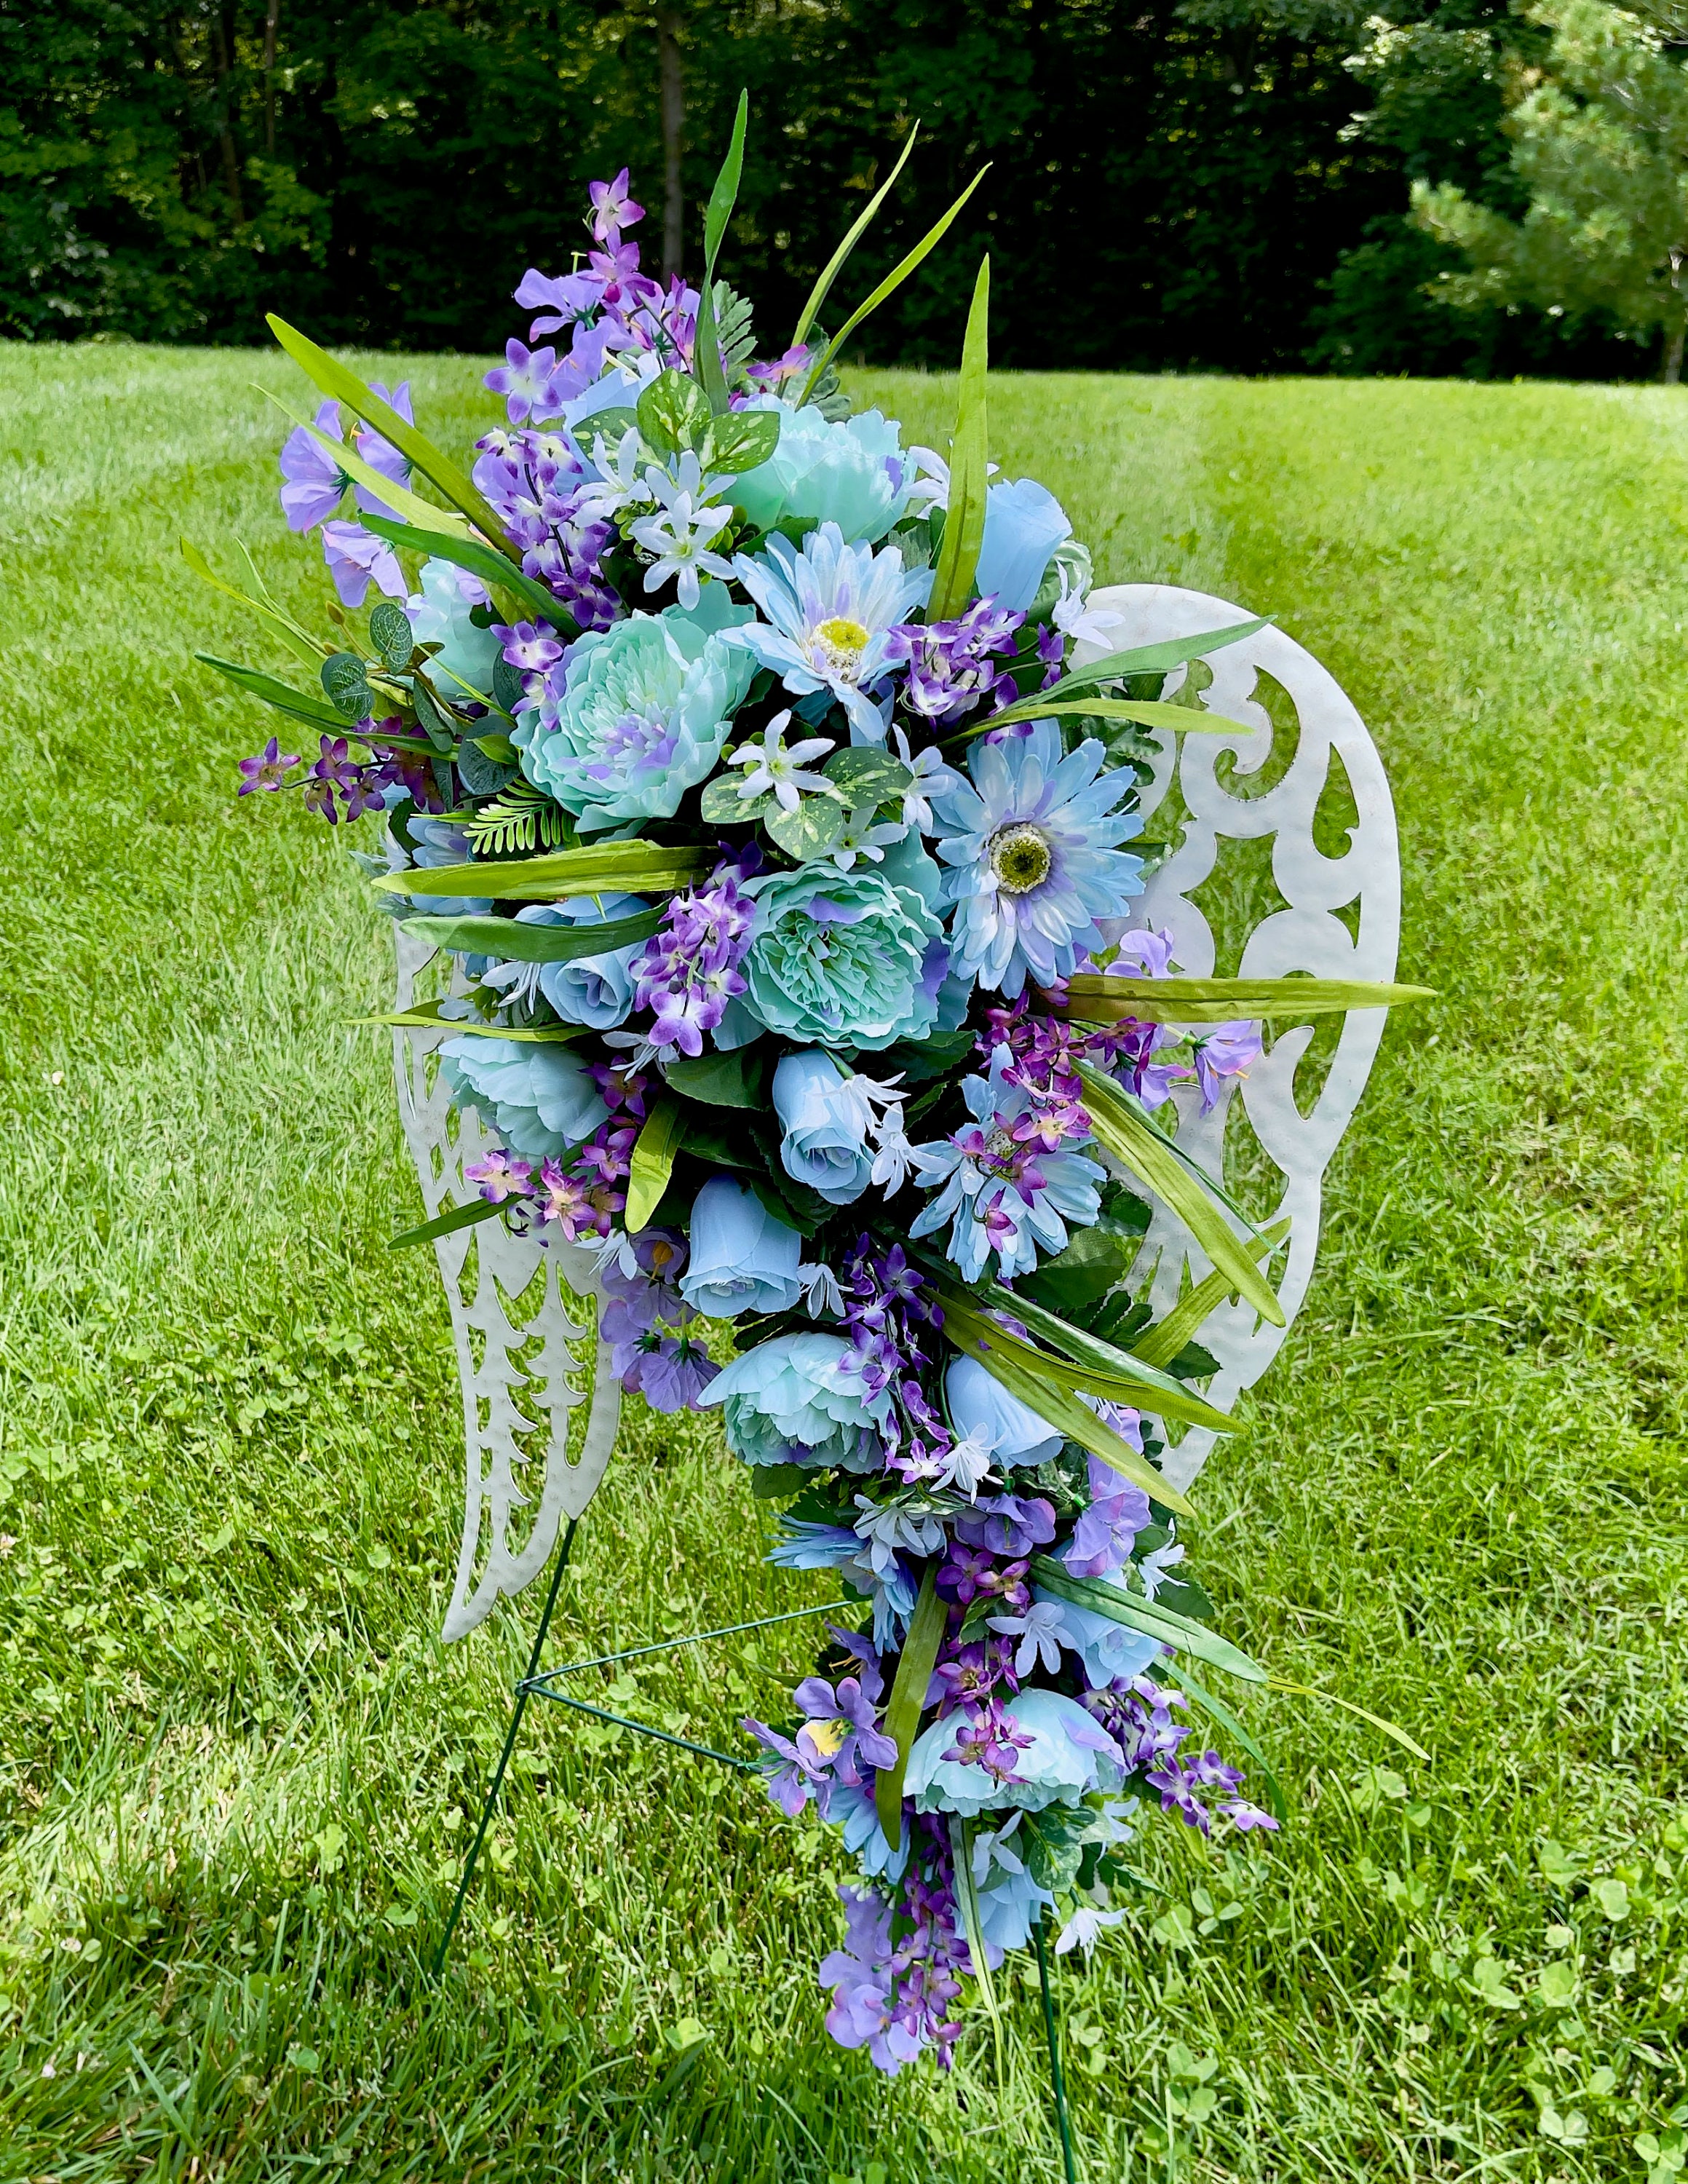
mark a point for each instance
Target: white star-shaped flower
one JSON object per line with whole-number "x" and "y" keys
{"x": 772, "y": 768}
{"x": 1039, "y": 1631}
{"x": 679, "y": 532}
{"x": 932, "y": 777}
{"x": 1077, "y": 620}
{"x": 861, "y": 840}
{"x": 1083, "y": 1929}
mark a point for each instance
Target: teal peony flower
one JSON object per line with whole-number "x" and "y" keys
{"x": 538, "y": 1099}
{"x": 800, "y": 1399}
{"x": 643, "y": 713}
{"x": 853, "y": 473}
{"x": 846, "y": 959}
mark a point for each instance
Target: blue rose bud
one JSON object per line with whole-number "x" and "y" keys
{"x": 1023, "y": 525}
{"x": 981, "y": 1409}
{"x": 825, "y": 1121}
{"x": 742, "y": 1259}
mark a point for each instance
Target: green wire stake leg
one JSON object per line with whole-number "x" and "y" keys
{"x": 1056, "y": 2078}
{"x": 523, "y": 1691}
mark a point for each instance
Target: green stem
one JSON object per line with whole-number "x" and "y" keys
{"x": 1056, "y": 2078}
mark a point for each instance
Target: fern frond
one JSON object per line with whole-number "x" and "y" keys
{"x": 732, "y": 323}
{"x": 520, "y": 817}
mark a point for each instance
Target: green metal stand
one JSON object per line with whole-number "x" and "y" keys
{"x": 537, "y": 1683}
{"x": 1056, "y": 2078}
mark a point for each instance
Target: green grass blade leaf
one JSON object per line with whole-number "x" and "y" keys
{"x": 426, "y": 1018}
{"x": 491, "y": 568}
{"x": 442, "y": 1224}
{"x": 1157, "y": 659}
{"x": 1103, "y": 1367}
{"x": 706, "y": 344}
{"x": 1137, "y": 1146}
{"x": 835, "y": 263}
{"x": 513, "y": 941}
{"x": 1146, "y": 1616}
{"x": 892, "y": 281}
{"x": 967, "y": 1894}
{"x": 344, "y": 386}
{"x": 608, "y": 868}
{"x": 1182, "y": 718}
{"x": 1160, "y": 1344}
{"x": 1003, "y": 1358}
{"x": 1220, "y": 1001}
{"x": 1389, "y": 1728}
{"x": 653, "y": 1162}
{"x": 958, "y": 557}
{"x": 295, "y": 640}
{"x": 299, "y": 704}
{"x": 908, "y": 1700}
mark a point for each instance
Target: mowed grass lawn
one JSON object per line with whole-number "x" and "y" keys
{"x": 238, "y": 1768}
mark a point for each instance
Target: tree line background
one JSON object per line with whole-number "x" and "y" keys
{"x": 1173, "y": 184}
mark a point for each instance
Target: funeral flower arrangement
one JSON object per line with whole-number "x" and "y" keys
{"x": 769, "y": 784}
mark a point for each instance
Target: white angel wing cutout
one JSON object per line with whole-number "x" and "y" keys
{"x": 540, "y": 1404}
{"x": 1329, "y": 755}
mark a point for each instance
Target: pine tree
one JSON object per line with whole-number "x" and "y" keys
{"x": 1600, "y": 140}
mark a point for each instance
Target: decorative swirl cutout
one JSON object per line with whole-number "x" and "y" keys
{"x": 1306, "y": 935}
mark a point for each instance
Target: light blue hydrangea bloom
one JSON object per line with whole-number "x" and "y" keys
{"x": 845, "y": 959}
{"x": 645, "y": 710}
{"x": 1023, "y": 525}
{"x": 853, "y": 473}
{"x": 829, "y": 608}
{"x": 537, "y": 1099}
{"x": 439, "y": 614}
{"x": 1031, "y": 841}
{"x": 800, "y": 1399}
{"x": 1070, "y": 1755}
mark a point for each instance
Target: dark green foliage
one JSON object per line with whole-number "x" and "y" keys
{"x": 1175, "y": 184}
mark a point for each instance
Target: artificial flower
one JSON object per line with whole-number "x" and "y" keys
{"x": 1031, "y": 843}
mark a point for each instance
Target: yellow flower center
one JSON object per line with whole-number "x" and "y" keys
{"x": 842, "y": 643}
{"x": 1020, "y": 858}
{"x": 827, "y": 1736}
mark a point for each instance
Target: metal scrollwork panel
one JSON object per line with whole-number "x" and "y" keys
{"x": 1306, "y": 934}
{"x": 526, "y": 1361}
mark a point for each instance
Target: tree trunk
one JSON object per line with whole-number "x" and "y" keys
{"x": 221, "y": 33}
{"x": 1674, "y": 336}
{"x": 673, "y": 126}
{"x": 271, "y": 24}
